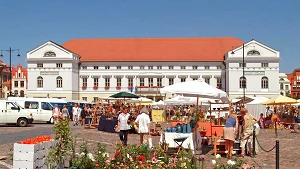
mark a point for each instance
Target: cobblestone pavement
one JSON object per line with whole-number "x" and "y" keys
{"x": 289, "y": 148}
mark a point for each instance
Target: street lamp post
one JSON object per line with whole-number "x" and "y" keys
{"x": 10, "y": 50}
{"x": 244, "y": 79}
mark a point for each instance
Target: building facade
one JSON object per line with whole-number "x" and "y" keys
{"x": 253, "y": 69}
{"x": 294, "y": 79}
{"x": 18, "y": 82}
{"x": 284, "y": 85}
{"x": 86, "y": 69}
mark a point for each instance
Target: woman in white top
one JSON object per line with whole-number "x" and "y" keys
{"x": 123, "y": 121}
{"x": 55, "y": 113}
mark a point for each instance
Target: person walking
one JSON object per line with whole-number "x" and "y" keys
{"x": 65, "y": 113}
{"x": 83, "y": 115}
{"x": 143, "y": 121}
{"x": 123, "y": 120}
{"x": 75, "y": 113}
{"x": 55, "y": 113}
{"x": 230, "y": 132}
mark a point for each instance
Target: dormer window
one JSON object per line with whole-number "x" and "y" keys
{"x": 253, "y": 52}
{"x": 49, "y": 54}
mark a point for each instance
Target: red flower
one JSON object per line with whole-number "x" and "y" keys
{"x": 106, "y": 87}
{"x": 95, "y": 87}
{"x": 117, "y": 154}
{"x": 83, "y": 87}
{"x": 141, "y": 158}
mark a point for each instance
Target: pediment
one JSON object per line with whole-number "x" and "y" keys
{"x": 50, "y": 51}
{"x": 252, "y": 50}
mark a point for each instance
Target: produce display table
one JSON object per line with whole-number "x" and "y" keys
{"x": 169, "y": 139}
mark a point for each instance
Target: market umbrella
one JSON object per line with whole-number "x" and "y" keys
{"x": 124, "y": 95}
{"x": 277, "y": 100}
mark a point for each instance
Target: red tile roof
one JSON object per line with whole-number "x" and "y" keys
{"x": 153, "y": 49}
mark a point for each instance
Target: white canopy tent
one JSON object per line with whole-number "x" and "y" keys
{"x": 140, "y": 100}
{"x": 196, "y": 88}
{"x": 255, "y": 107}
{"x": 159, "y": 103}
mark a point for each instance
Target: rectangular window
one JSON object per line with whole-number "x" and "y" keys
{"x": 95, "y": 99}
{"x": 107, "y": 67}
{"x": 119, "y": 67}
{"x": 119, "y": 81}
{"x": 206, "y": 67}
{"x": 84, "y": 81}
{"x": 96, "y": 67}
{"x": 195, "y": 78}
{"x": 22, "y": 84}
{"x": 150, "y": 82}
{"x": 219, "y": 83}
{"x": 84, "y": 98}
{"x": 142, "y": 82}
{"x": 182, "y": 79}
{"x": 96, "y": 81}
{"x": 159, "y": 82}
{"x": 130, "y": 67}
{"x": 171, "y": 67}
{"x": 219, "y": 67}
{"x": 241, "y": 64}
{"x": 207, "y": 80}
{"x": 195, "y": 67}
{"x": 107, "y": 81}
{"x": 286, "y": 87}
{"x": 83, "y": 67}
{"x": 159, "y": 67}
{"x": 40, "y": 65}
{"x": 142, "y": 67}
{"x": 171, "y": 81}
{"x": 182, "y": 67}
{"x": 40, "y": 82}
{"x": 281, "y": 86}
{"x": 150, "y": 67}
{"x": 58, "y": 64}
{"x": 31, "y": 105}
{"x": 264, "y": 64}
{"x": 16, "y": 84}
{"x": 130, "y": 81}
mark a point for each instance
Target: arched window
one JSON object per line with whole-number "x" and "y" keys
{"x": 243, "y": 82}
{"x": 264, "y": 82}
{"x": 49, "y": 54}
{"x": 59, "y": 82}
{"x": 253, "y": 52}
{"x": 40, "y": 82}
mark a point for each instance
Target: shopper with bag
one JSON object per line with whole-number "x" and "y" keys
{"x": 143, "y": 121}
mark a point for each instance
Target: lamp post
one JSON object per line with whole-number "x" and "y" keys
{"x": 244, "y": 79}
{"x": 10, "y": 50}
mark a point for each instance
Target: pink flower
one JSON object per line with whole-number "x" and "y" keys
{"x": 245, "y": 166}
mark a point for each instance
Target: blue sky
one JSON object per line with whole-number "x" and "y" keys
{"x": 25, "y": 24}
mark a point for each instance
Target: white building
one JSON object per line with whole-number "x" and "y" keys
{"x": 284, "y": 85}
{"x": 261, "y": 70}
{"x": 91, "y": 68}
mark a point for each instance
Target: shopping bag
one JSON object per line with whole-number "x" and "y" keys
{"x": 150, "y": 142}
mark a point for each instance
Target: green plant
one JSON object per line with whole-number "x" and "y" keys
{"x": 101, "y": 156}
{"x": 63, "y": 144}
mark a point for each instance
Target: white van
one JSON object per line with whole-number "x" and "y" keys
{"x": 12, "y": 113}
{"x": 40, "y": 108}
